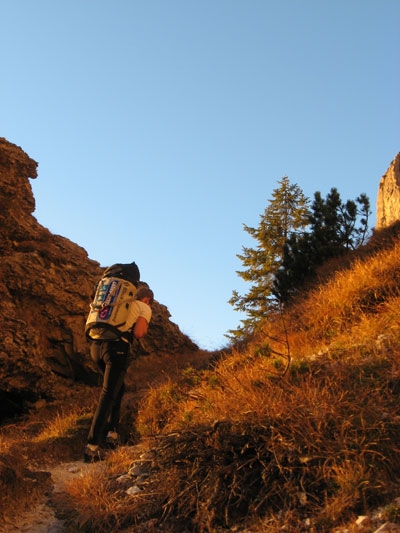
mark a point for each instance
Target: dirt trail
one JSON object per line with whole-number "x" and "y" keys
{"x": 42, "y": 517}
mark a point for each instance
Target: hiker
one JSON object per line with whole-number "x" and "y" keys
{"x": 112, "y": 358}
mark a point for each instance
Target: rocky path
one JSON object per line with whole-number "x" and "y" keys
{"x": 42, "y": 518}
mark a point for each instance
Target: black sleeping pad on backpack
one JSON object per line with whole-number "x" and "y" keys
{"x": 128, "y": 271}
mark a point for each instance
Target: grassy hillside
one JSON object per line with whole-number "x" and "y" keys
{"x": 303, "y": 424}
{"x": 298, "y": 429}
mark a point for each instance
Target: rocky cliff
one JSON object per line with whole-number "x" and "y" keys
{"x": 46, "y": 282}
{"x": 388, "y": 201}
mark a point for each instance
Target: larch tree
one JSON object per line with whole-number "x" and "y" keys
{"x": 286, "y": 214}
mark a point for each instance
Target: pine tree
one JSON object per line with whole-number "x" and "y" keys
{"x": 332, "y": 231}
{"x": 286, "y": 214}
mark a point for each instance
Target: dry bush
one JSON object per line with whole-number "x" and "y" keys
{"x": 94, "y": 501}
{"x": 98, "y": 501}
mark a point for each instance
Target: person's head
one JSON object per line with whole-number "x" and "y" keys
{"x": 145, "y": 293}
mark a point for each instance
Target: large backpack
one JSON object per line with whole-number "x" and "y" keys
{"x": 128, "y": 271}
{"x": 114, "y": 296}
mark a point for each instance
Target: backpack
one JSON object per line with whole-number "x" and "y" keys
{"x": 128, "y": 271}
{"x": 114, "y": 296}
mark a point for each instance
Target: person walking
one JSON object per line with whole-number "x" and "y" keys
{"x": 112, "y": 358}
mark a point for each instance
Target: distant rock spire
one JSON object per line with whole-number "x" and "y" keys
{"x": 388, "y": 201}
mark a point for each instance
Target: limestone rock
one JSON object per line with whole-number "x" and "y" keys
{"x": 388, "y": 201}
{"x": 46, "y": 283}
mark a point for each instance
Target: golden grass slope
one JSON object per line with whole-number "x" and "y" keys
{"x": 317, "y": 444}
{"x": 298, "y": 429}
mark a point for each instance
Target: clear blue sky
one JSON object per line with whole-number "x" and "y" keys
{"x": 161, "y": 126}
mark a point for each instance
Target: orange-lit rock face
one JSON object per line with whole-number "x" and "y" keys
{"x": 46, "y": 284}
{"x": 388, "y": 201}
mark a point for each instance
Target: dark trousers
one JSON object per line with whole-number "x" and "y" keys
{"x": 112, "y": 358}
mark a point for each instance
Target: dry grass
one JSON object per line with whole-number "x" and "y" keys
{"x": 20, "y": 487}
{"x": 245, "y": 441}
{"x": 28, "y": 448}
{"x": 318, "y": 445}
{"x": 57, "y": 432}
{"x": 63, "y": 425}
{"x": 255, "y": 442}
{"x": 95, "y": 499}
{"x": 98, "y": 501}
{"x": 351, "y": 295}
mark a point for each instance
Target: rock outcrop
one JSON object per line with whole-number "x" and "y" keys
{"x": 388, "y": 201}
{"x": 46, "y": 282}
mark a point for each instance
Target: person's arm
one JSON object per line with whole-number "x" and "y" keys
{"x": 140, "y": 327}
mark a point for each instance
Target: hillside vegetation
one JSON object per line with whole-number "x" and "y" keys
{"x": 296, "y": 429}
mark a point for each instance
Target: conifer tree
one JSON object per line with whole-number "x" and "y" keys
{"x": 286, "y": 214}
{"x": 332, "y": 231}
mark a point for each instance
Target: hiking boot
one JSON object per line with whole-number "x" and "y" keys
{"x": 113, "y": 440}
{"x": 93, "y": 453}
